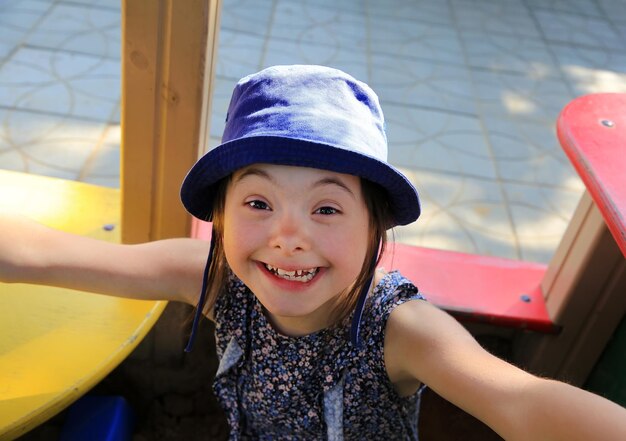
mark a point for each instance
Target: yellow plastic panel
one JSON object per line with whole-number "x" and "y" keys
{"x": 55, "y": 344}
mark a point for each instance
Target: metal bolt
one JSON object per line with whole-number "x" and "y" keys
{"x": 607, "y": 123}
{"x": 525, "y": 298}
{"x": 108, "y": 227}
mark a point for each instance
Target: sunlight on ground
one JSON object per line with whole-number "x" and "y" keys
{"x": 590, "y": 80}
{"x": 517, "y": 104}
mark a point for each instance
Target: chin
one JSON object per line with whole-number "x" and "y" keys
{"x": 298, "y": 315}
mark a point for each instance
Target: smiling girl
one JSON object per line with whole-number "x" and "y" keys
{"x": 314, "y": 342}
{"x": 286, "y": 230}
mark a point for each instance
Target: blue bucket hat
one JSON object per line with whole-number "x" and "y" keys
{"x": 307, "y": 116}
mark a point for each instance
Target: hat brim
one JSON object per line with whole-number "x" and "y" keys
{"x": 197, "y": 190}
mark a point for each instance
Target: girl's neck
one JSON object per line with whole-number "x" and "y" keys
{"x": 300, "y": 326}
{"x": 318, "y": 320}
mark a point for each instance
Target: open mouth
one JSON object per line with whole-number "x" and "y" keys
{"x": 300, "y": 275}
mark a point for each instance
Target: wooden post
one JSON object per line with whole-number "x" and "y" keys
{"x": 168, "y": 62}
{"x": 169, "y": 49}
{"x": 585, "y": 292}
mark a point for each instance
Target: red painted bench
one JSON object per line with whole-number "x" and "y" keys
{"x": 476, "y": 288}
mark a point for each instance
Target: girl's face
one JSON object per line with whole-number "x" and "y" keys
{"x": 297, "y": 237}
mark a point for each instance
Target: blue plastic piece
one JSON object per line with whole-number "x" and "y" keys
{"x": 99, "y": 418}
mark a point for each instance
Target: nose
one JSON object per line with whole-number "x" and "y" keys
{"x": 290, "y": 233}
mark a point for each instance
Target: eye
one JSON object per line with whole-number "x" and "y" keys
{"x": 258, "y": 205}
{"x": 326, "y": 211}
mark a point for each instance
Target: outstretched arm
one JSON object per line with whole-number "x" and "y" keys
{"x": 423, "y": 342}
{"x": 161, "y": 270}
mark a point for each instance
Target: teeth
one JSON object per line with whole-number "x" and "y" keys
{"x": 301, "y": 275}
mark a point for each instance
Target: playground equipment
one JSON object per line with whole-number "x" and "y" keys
{"x": 56, "y": 344}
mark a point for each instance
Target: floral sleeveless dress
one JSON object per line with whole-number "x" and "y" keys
{"x": 316, "y": 387}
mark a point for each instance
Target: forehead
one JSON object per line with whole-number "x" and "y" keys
{"x": 281, "y": 174}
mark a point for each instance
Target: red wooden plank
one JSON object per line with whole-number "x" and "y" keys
{"x": 479, "y": 288}
{"x": 592, "y": 131}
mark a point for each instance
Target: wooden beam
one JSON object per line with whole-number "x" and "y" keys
{"x": 168, "y": 61}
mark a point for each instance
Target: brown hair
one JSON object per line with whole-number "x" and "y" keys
{"x": 218, "y": 268}
{"x": 380, "y": 219}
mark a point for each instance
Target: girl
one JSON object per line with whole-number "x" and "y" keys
{"x": 313, "y": 341}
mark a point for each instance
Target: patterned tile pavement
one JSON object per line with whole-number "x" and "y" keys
{"x": 471, "y": 90}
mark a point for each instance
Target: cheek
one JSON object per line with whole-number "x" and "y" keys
{"x": 360, "y": 234}
{"x": 235, "y": 235}
{"x": 349, "y": 246}
{"x": 230, "y": 246}
{"x": 236, "y": 238}
{"x": 242, "y": 239}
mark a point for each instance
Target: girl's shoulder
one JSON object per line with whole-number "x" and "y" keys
{"x": 391, "y": 291}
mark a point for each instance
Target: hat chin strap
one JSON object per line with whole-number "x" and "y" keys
{"x": 355, "y": 327}
{"x": 205, "y": 282}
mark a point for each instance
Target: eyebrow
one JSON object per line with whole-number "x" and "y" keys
{"x": 333, "y": 181}
{"x": 329, "y": 180}
{"x": 253, "y": 171}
